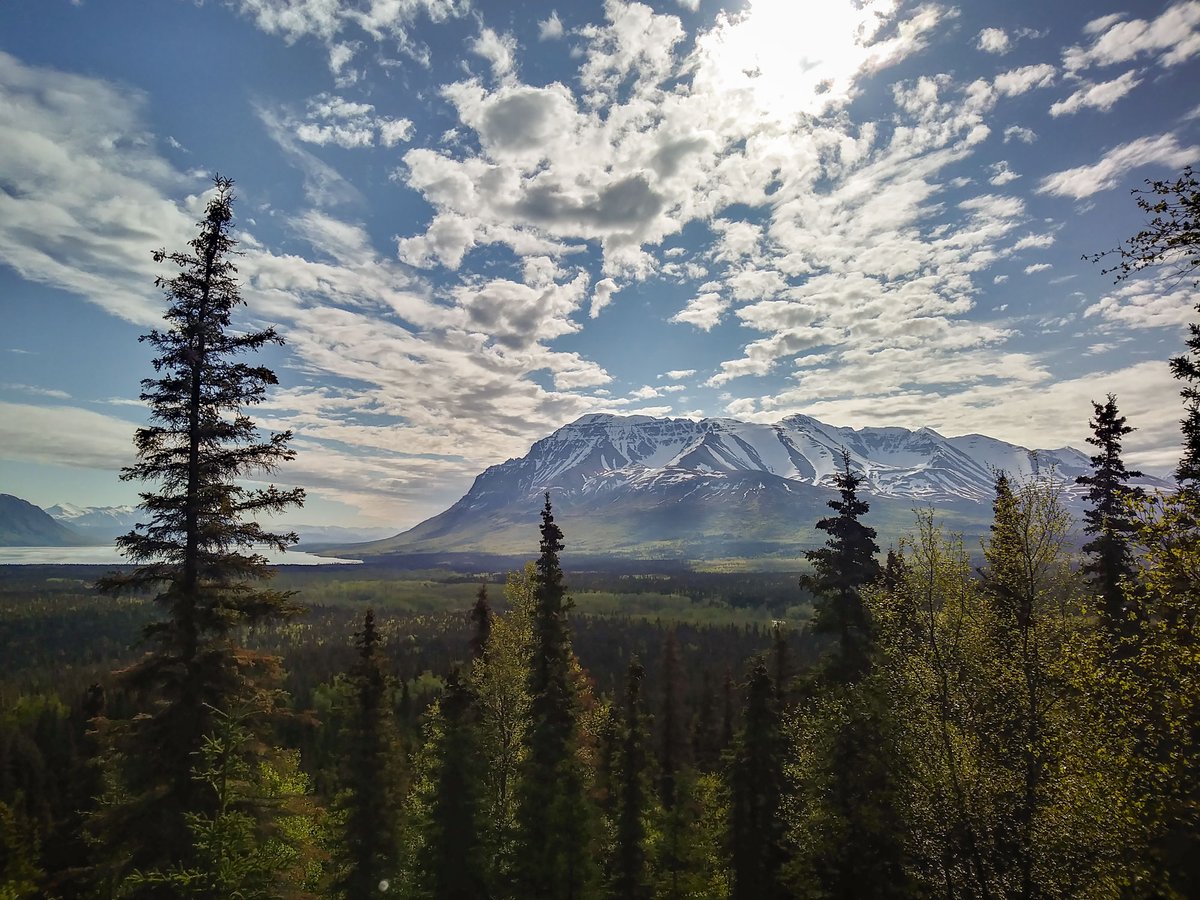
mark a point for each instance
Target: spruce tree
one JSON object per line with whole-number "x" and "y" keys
{"x": 196, "y": 551}
{"x": 629, "y": 879}
{"x": 843, "y": 567}
{"x": 481, "y": 619}
{"x": 1108, "y": 518}
{"x": 369, "y": 801}
{"x": 756, "y": 787}
{"x": 555, "y": 856}
{"x": 672, "y": 746}
{"x": 452, "y": 860}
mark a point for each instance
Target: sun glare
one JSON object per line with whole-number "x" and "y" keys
{"x": 793, "y": 58}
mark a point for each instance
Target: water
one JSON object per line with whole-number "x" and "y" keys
{"x": 108, "y": 556}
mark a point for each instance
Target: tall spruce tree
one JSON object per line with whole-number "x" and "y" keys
{"x": 197, "y": 549}
{"x": 452, "y": 860}
{"x": 842, "y": 568}
{"x": 370, "y": 797}
{"x": 629, "y": 877}
{"x": 1108, "y": 518}
{"x": 553, "y": 816}
{"x": 756, "y": 786}
{"x": 481, "y": 619}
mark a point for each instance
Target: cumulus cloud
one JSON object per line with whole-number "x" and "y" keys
{"x": 704, "y": 311}
{"x": 602, "y": 296}
{"x": 551, "y": 28}
{"x": 1083, "y": 181}
{"x": 993, "y": 40}
{"x": 498, "y": 49}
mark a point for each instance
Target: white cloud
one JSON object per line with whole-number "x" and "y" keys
{"x": 551, "y": 28}
{"x": 1146, "y": 303}
{"x": 691, "y": 5}
{"x": 1083, "y": 181}
{"x": 1037, "y": 267}
{"x": 35, "y": 434}
{"x": 1102, "y": 96}
{"x": 327, "y": 20}
{"x": 646, "y": 392}
{"x": 678, "y": 374}
{"x": 1034, "y": 241}
{"x": 330, "y": 119}
{"x": 704, "y": 311}
{"x": 602, "y": 296}
{"x": 498, "y": 49}
{"x": 1019, "y": 81}
{"x": 993, "y": 40}
{"x": 1019, "y": 133}
{"x": 1002, "y": 174}
{"x": 1172, "y": 38}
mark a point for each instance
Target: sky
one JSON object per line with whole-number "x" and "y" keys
{"x": 474, "y": 222}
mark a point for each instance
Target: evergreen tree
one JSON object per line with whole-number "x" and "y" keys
{"x": 672, "y": 746}
{"x": 756, "y": 787}
{"x": 843, "y": 567}
{"x": 452, "y": 857}
{"x": 481, "y": 619}
{"x": 370, "y": 800}
{"x": 197, "y": 548}
{"x": 1108, "y": 518}
{"x": 1171, "y": 238}
{"x": 555, "y": 857}
{"x": 629, "y": 879}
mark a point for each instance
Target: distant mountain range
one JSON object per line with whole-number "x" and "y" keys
{"x": 675, "y": 488}
{"x": 66, "y": 525}
{"x": 24, "y": 525}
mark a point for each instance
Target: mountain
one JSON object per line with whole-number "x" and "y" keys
{"x": 24, "y": 525}
{"x": 103, "y": 524}
{"x": 97, "y": 524}
{"x": 648, "y": 487}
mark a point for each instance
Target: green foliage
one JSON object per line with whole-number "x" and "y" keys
{"x": 231, "y": 856}
{"x": 19, "y": 871}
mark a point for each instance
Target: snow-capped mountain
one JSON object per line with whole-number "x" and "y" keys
{"x": 97, "y": 524}
{"x": 676, "y": 486}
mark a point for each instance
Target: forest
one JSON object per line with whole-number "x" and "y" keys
{"x": 1017, "y": 720}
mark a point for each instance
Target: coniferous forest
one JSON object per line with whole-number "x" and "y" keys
{"x": 1017, "y": 720}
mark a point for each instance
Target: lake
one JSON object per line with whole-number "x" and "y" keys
{"x": 108, "y": 556}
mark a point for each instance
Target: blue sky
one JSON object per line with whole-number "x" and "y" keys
{"x": 474, "y": 222}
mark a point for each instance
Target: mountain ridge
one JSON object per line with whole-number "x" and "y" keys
{"x": 640, "y": 484}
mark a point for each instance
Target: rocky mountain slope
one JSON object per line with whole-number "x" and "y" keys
{"x": 643, "y": 486}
